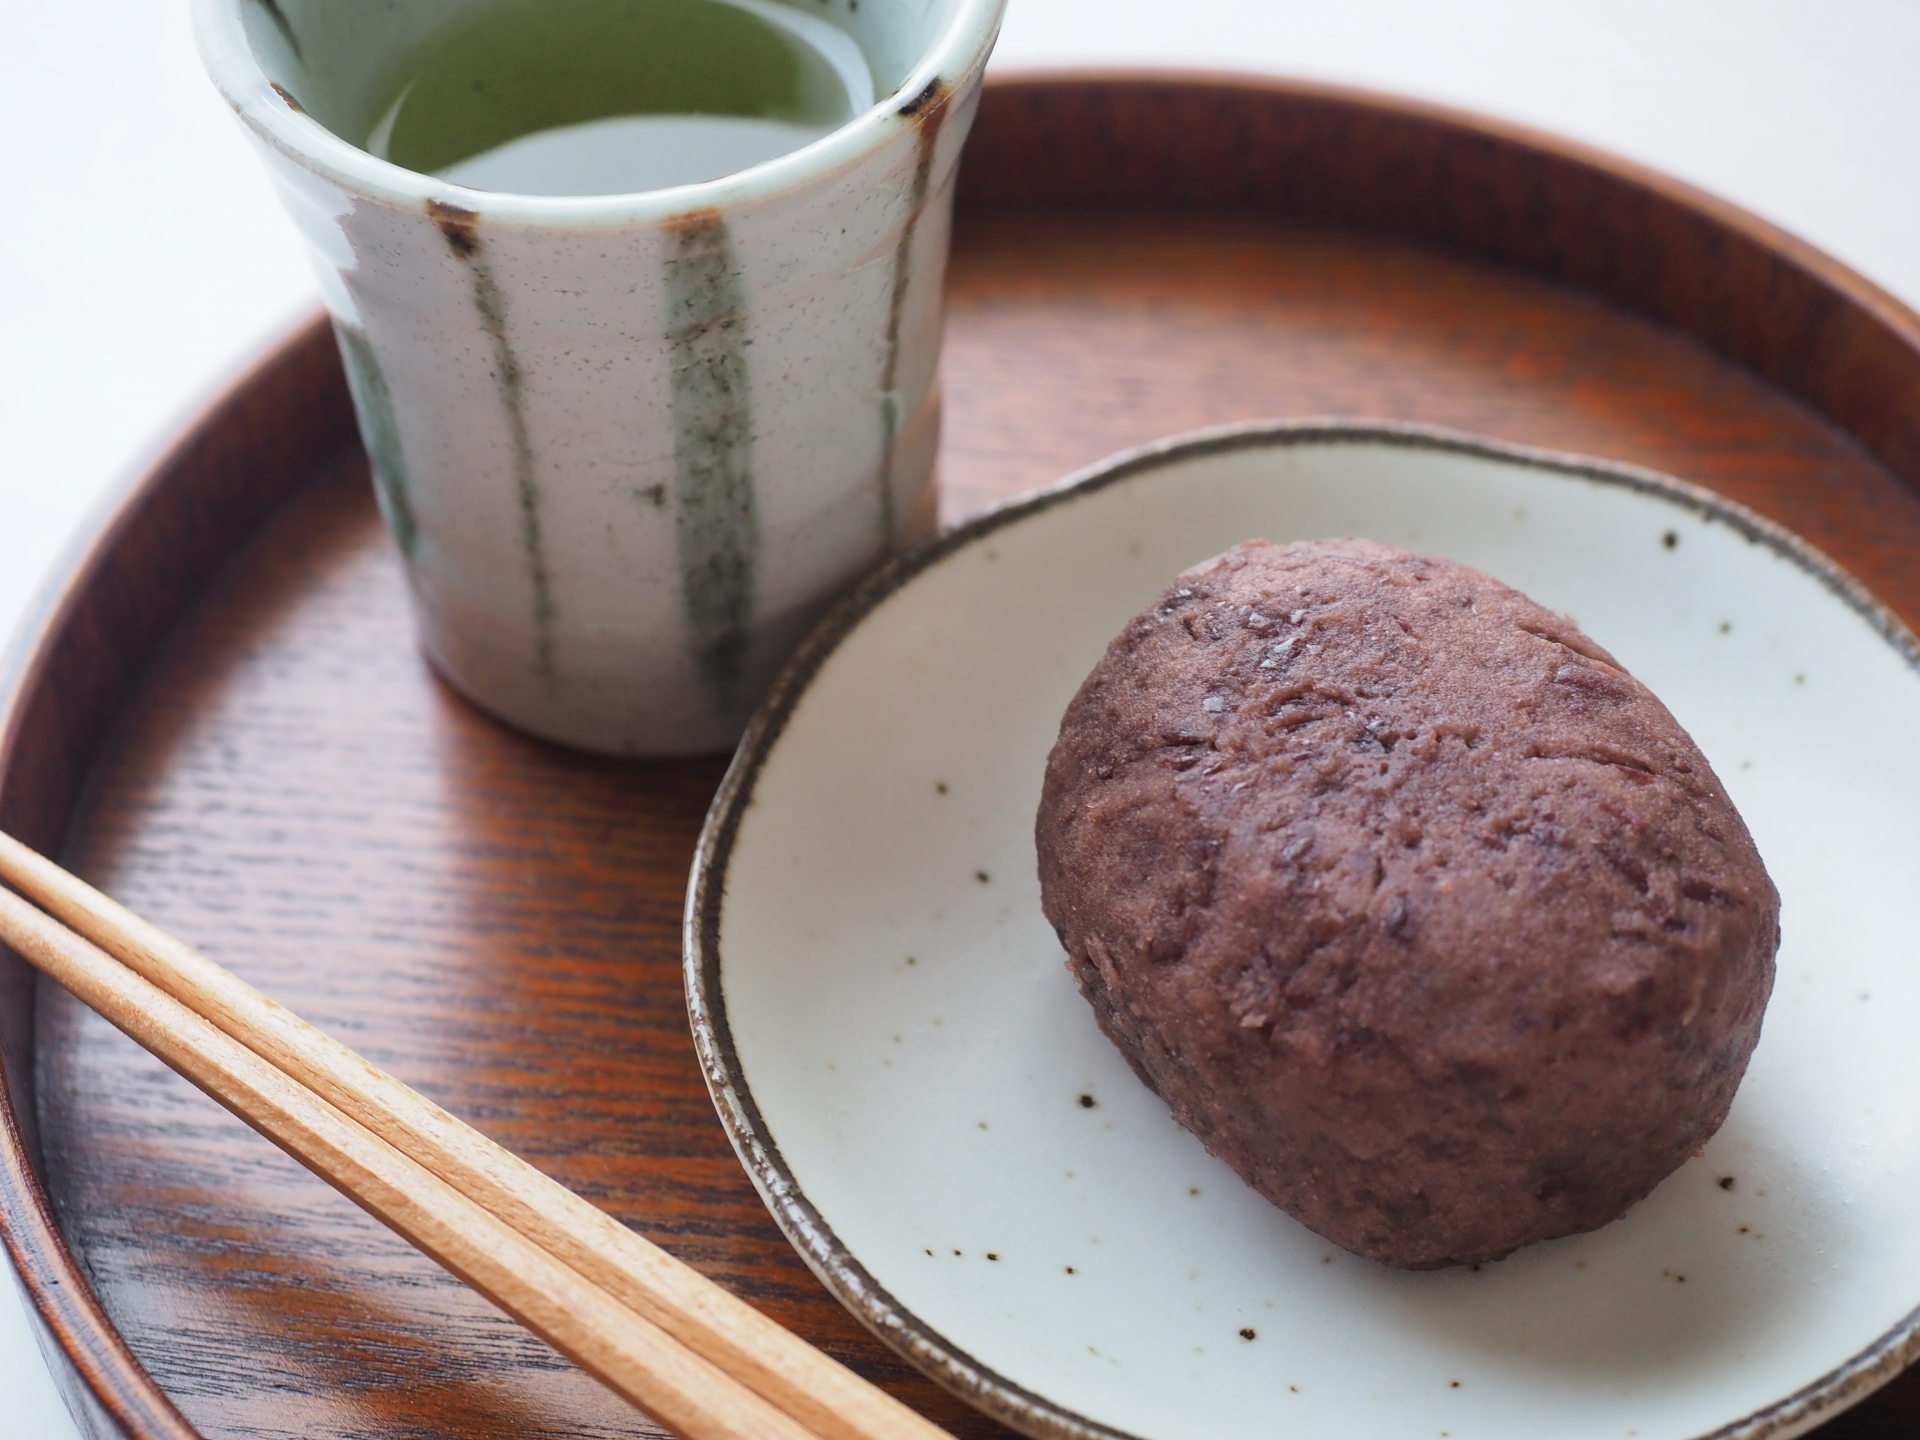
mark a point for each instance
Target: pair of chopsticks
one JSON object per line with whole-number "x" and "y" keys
{"x": 656, "y": 1331}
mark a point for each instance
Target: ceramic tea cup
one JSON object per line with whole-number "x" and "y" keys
{"x": 629, "y": 445}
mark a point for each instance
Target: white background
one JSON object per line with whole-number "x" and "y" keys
{"x": 142, "y": 258}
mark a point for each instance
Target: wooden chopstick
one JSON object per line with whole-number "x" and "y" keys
{"x": 631, "y": 1354}
{"x": 733, "y": 1339}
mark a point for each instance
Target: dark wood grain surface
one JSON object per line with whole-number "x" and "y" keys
{"x": 290, "y": 788}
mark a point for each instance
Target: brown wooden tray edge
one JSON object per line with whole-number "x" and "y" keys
{"x": 1825, "y": 335}
{"x": 1836, "y": 273}
{"x": 51, "y": 722}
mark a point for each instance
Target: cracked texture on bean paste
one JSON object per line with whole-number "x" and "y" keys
{"x": 1422, "y": 913}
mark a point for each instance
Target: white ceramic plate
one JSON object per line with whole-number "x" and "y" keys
{"x": 901, "y": 1057}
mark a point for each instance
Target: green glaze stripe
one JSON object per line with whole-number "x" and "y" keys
{"x": 461, "y": 228}
{"x": 927, "y": 110}
{"x": 716, "y": 516}
{"x": 380, "y": 433}
{"x": 281, "y": 23}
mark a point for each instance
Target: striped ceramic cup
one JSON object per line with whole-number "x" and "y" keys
{"x": 630, "y": 445}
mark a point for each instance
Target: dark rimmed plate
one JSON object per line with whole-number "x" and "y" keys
{"x": 906, "y": 1071}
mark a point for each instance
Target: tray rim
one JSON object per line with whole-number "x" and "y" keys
{"x": 1883, "y": 303}
{"x": 1481, "y": 151}
{"x": 103, "y": 1383}
{"x": 759, "y": 1153}
{"x": 106, "y": 1389}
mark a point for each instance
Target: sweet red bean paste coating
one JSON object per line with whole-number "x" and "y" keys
{"x": 1421, "y": 912}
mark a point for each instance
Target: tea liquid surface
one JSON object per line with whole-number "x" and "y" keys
{"x": 612, "y": 97}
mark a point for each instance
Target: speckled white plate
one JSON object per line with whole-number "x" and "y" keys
{"x": 931, "y": 1114}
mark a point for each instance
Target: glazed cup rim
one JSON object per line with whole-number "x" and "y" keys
{"x": 956, "y": 54}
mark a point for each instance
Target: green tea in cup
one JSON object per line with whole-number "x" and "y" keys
{"x": 639, "y": 303}
{"x": 612, "y": 97}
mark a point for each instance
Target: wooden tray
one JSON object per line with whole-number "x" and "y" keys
{"x": 222, "y": 718}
